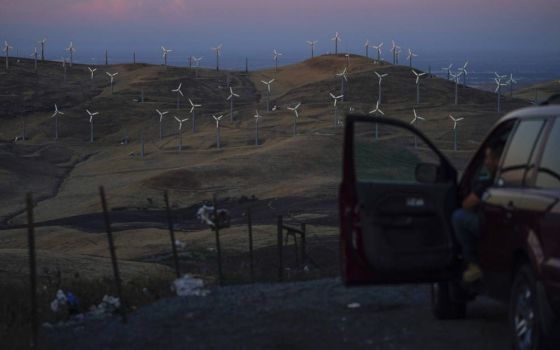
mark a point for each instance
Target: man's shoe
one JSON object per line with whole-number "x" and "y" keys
{"x": 472, "y": 273}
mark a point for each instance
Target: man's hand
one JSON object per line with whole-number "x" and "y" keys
{"x": 471, "y": 201}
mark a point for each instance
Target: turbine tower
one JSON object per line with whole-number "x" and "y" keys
{"x": 217, "y": 119}
{"x": 257, "y": 117}
{"x": 465, "y": 72}
{"x": 498, "y": 90}
{"x": 378, "y": 49}
{"x": 42, "y": 42}
{"x": 55, "y": 116}
{"x": 312, "y": 44}
{"x": 180, "y": 135}
{"x": 218, "y": 50}
{"x": 416, "y": 117}
{"x": 161, "y": 115}
{"x": 34, "y": 55}
{"x": 366, "y": 46}
{"x": 92, "y": 70}
{"x": 343, "y": 77}
{"x": 335, "y": 100}
{"x": 196, "y": 61}
{"x": 7, "y": 49}
{"x": 275, "y": 55}
{"x": 394, "y": 49}
{"x": 230, "y": 99}
{"x": 375, "y": 112}
{"x": 380, "y": 79}
{"x": 112, "y": 78}
{"x": 91, "y": 115}
{"x": 179, "y": 93}
{"x": 418, "y": 75}
{"x": 455, "y": 121}
{"x": 336, "y": 40}
{"x": 164, "y": 55}
{"x": 410, "y": 56}
{"x": 296, "y": 116}
{"x": 71, "y": 50}
{"x": 267, "y": 83}
{"x": 193, "y": 107}
{"x": 510, "y": 82}
{"x": 456, "y": 78}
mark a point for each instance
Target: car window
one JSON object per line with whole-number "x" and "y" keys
{"x": 516, "y": 160}
{"x": 548, "y": 172}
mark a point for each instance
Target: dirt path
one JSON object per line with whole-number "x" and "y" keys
{"x": 302, "y": 315}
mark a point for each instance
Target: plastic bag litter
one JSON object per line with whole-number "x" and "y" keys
{"x": 109, "y": 305}
{"x": 188, "y": 285}
{"x": 180, "y": 244}
{"x": 59, "y": 302}
{"x": 354, "y": 305}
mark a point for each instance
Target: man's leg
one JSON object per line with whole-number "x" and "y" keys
{"x": 465, "y": 225}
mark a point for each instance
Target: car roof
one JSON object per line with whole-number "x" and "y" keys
{"x": 532, "y": 112}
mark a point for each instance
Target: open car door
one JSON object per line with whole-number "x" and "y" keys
{"x": 396, "y": 199}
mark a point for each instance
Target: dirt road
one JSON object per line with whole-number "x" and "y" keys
{"x": 316, "y": 314}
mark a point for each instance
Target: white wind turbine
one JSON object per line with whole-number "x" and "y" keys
{"x": 336, "y": 40}
{"x": 394, "y": 49}
{"x": 217, "y": 119}
{"x": 257, "y": 117}
{"x": 42, "y": 42}
{"x": 343, "y": 77}
{"x": 410, "y": 56}
{"x": 267, "y": 83}
{"x": 64, "y": 66}
{"x": 230, "y": 99}
{"x": 112, "y": 78}
{"x": 180, "y": 136}
{"x": 218, "y": 50}
{"x": 397, "y": 53}
{"x": 179, "y": 94}
{"x": 91, "y": 70}
{"x": 296, "y": 115}
{"x": 91, "y": 115}
{"x": 456, "y": 78}
{"x": 465, "y": 72}
{"x": 448, "y": 69}
{"x": 418, "y": 76}
{"x": 164, "y": 55}
{"x": 366, "y": 46}
{"x": 498, "y": 90}
{"x": 161, "y": 115}
{"x": 416, "y": 117}
{"x": 196, "y": 62}
{"x": 312, "y": 44}
{"x": 34, "y": 55}
{"x": 335, "y": 100}
{"x": 378, "y": 49}
{"x": 7, "y": 49}
{"x": 455, "y": 121}
{"x": 55, "y": 116}
{"x": 510, "y": 82}
{"x": 71, "y": 50}
{"x": 193, "y": 107}
{"x": 376, "y": 111}
{"x": 380, "y": 79}
{"x": 275, "y": 55}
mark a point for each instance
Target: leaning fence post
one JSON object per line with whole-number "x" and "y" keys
{"x": 251, "y": 257}
{"x": 279, "y": 238}
{"x": 303, "y": 244}
{"x": 218, "y": 247}
{"x": 172, "y": 234}
{"x": 113, "y": 253}
{"x": 32, "y": 272}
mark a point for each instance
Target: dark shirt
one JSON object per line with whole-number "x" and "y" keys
{"x": 480, "y": 185}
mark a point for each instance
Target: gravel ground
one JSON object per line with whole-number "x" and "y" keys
{"x": 315, "y": 314}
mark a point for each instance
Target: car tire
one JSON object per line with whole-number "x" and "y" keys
{"x": 444, "y": 306}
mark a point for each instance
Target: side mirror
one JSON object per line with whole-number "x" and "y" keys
{"x": 427, "y": 173}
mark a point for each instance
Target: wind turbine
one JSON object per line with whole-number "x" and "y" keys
{"x": 55, "y": 116}
{"x": 275, "y": 55}
{"x": 91, "y": 115}
{"x": 217, "y": 119}
{"x": 164, "y": 55}
{"x": 257, "y": 117}
{"x": 343, "y": 77}
{"x": 230, "y": 99}
{"x": 418, "y": 75}
{"x": 193, "y": 107}
{"x": 42, "y": 42}
{"x": 34, "y": 55}
{"x": 455, "y": 121}
{"x": 106, "y": 56}
{"x": 456, "y": 78}
{"x": 416, "y": 117}
{"x": 7, "y": 49}
{"x": 376, "y": 111}
{"x": 378, "y": 49}
{"x": 336, "y": 40}
{"x": 409, "y": 57}
{"x": 398, "y": 52}
{"x": 498, "y": 90}
{"x": 312, "y": 44}
{"x": 296, "y": 116}
{"x": 510, "y": 82}
{"x": 71, "y": 50}
{"x": 161, "y": 115}
{"x": 394, "y": 50}
{"x": 218, "y": 50}
{"x": 366, "y": 46}
{"x": 180, "y": 136}
{"x": 465, "y": 72}
{"x": 448, "y": 69}
{"x": 112, "y": 77}
{"x": 380, "y": 78}
{"x": 196, "y": 61}
{"x": 92, "y": 70}
{"x": 179, "y": 93}
{"x": 268, "y": 83}
{"x": 335, "y": 100}
{"x": 64, "y": 66}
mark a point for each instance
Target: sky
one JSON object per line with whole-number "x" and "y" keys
{"x": 255, "y": 27}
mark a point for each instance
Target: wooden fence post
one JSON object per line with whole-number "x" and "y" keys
{"x": 172, "y": 234}
{"x": 32, "y": 273}
{"x": 280, "y": 257}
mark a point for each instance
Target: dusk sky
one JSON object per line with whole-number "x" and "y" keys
{"x": 260, "y": 25}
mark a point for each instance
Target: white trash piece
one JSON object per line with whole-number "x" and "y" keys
{"x": 188, "y": 285}
{"x": 59, "y": 301}
{"x": 353, "y": 305}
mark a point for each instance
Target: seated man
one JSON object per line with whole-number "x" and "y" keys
{"x": 465, "y": 219}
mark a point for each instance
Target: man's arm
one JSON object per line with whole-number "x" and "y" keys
{"x": 471, "y": 201}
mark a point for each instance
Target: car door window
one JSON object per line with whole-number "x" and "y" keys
{"x": 548, "y": 172}
{"x": 516, "y": 160}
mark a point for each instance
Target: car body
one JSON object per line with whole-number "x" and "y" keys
{"x": 395, "y": 226}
